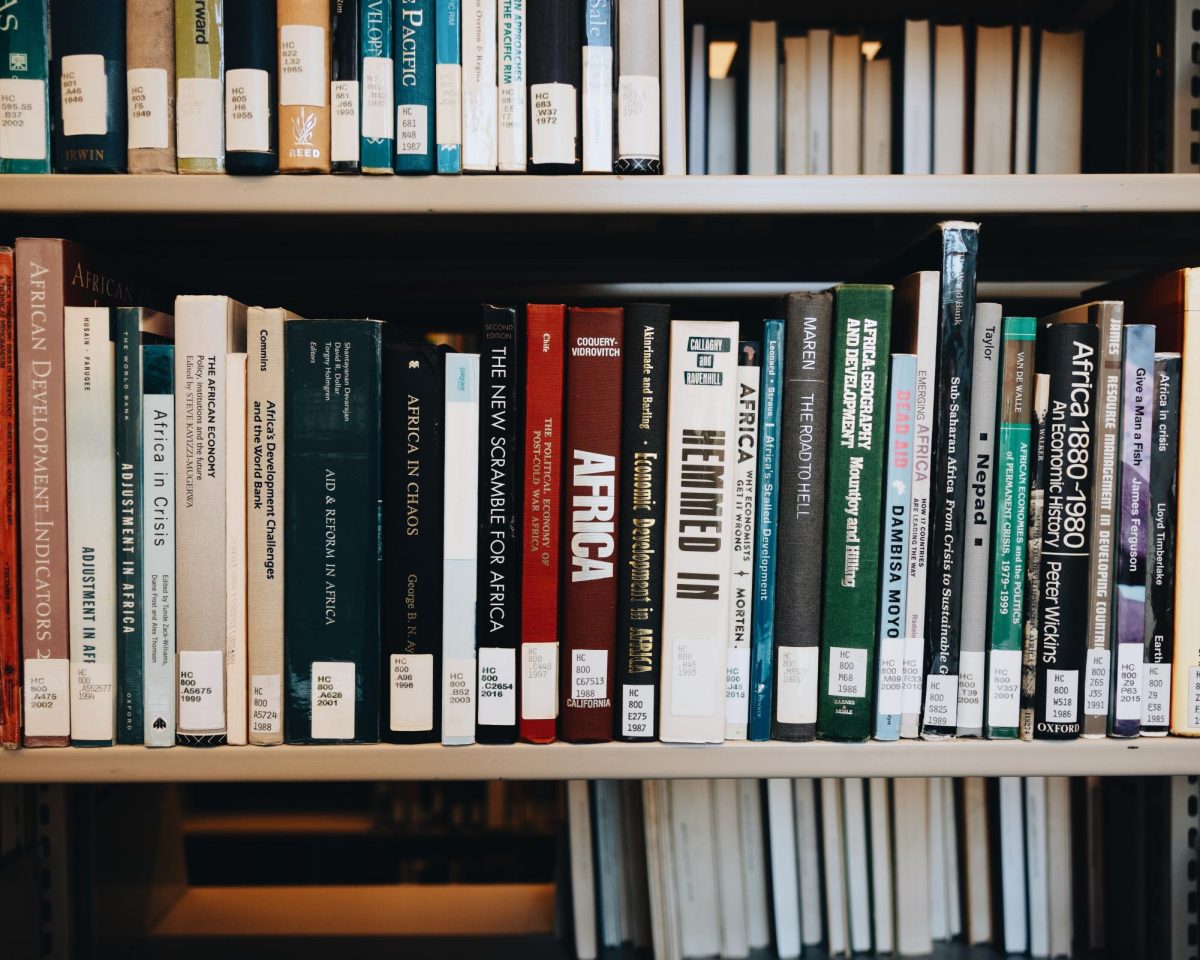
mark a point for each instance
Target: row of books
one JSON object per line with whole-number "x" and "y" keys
{"x": 314, "y": 86}
{"x": 1025, "y": 866}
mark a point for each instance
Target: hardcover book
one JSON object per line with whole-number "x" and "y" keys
{"x": 555, "y": 69}
{"x": 158, "y": 540}
{"x": 150, "y": 85}
{"x": 639, "y": 144}
{"x": 251, "y": 88}
{"x": 598, "y": 84}
{"x": 25, "y": 90}
{"x": 236, "y": 677}
{"x": 331, "y": 580}
{"x": 741, "y": 588}
{"x": 413, "y": 52}
{"x": 199, "y": 86}
{"x": 376, "y": 147}
{"x": 344, "y": 127}
{"x": 10, "y": 619}
{"x": 89, "y": 85}
{"x": 304, "y": 69}
{"x": 479, "y": 86}
{"x": 512, "y": 139}
{"x": 1033, "y": 561}
{"x": 858, "y": 381}
{"x": 447, "y": 34}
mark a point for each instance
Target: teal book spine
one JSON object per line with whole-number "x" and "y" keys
{"x": 413, "y": 44}
{"x": 25, "y": 87}
{"x": 378, "y": 90}
{"x": 448, "y": 86}
{"x": 158, "y": 557}
{"x": 893, "y": 579}
{"x": 332, "y": 517}
{"x": 762, "y": 647}
{"x": 854, "y": 508}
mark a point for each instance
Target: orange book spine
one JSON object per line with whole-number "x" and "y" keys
{"x": 304, "y": 53}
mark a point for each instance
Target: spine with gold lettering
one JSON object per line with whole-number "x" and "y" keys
{"x": 304, "y": 69}
{"x": 88, "y": 70}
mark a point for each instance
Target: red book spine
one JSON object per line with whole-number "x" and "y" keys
{"x": 10, "y": 623}
{"x": 545, "y": 338}
{"x": 593, "y": 452}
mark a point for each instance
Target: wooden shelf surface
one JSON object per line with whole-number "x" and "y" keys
{"x": 1147, "y": 756}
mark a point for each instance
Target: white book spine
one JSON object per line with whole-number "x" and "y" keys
{"x": 745, "y": 484}
{"x": 479, "y": 97}
{"x": 858, "y": 885}
{"x": 91, "y": 524}
{"x": 511, "y": 147}
{"x": 1059, "y": 123}
{"x": 949, "y": 100}
{"x": 731, "y": 884}
{"x": 722, "y": 125}
{"x": 695, "y": 856}
{"x": 758, "y": 927}
{"x": 978, "y": 855}
{"x": 812, "y": 923}
{"x": 918, "y": 98}
{"x": 764, "y": 98}
{"x": 158, "y": 566}
{"x": 1023, "y": 107}
{"x": 672, "y": 111}
{"x": 795, "y": 106}
{"x": 639, "y": 97}
{"x": 701, "y": 456}
{"x": 881, "y": 866}
{"x": 845, "y": 97}
{"x": 1036, "y": 866}
{"x": 1012, "y": 865}
{"x": 597, "y": 96}
{"x": 939, "y": 921}
{"x": 236, "y": 712}
{"x": 877, "y": 118}
{"x": 1058, "y": 864}
{"x": 459, "y": 548}
{"x": 950, "y": 839}
{"x": 993, "y": 100}
{"x": 833, "y": 844}
{"x": 818, "y": 101}
{"x": 910, "y": 802}
{"x": 781, "y": 829}
{"x": 583, "y": 884}
{"x": 697, "y": 102}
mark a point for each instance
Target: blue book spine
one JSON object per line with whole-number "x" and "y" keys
{"x": 762, "y": 651}
{"x": 413, "y": 44}
{"x": 25, "y": 87}
{"x": 378, "y": 92}
{"x": 893, "y": 581}
{"x": 448, "y": 86}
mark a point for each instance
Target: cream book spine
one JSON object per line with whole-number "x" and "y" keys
{"x": 235, "y": 550}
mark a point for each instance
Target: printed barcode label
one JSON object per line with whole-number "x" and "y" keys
{"x": 458, "y": 698}
{"x": 247, "y": 111}
{"x": 637, "y": 710}
{"x": 1004, "y": 688}
{"x": 332, "y": 700}
{"x": 891, "y": 676}
{"x": 1062, "y": 689}
{"x": 302, "y": 79}
{"x": 266, "y": 703}
{"x": 411, "y": 701}
{"x": 796, "y": 690}
{"x": 637, "y": 116}
{"x": 847, "y": 672}
{"x": 1129, "y": 681}
{"x": 737, "y": 686}
{"x": 497, "y": 686}
{"x": 693, "y": 679}
{"x": 589, "y": 674}
{"x": 552, "y": 120}
{"x": 412, "y": 129}
{"x": 343, "y": 98}
{"x": 1193, "y": 691}
{"x": 539, "y": 681}
{"x": 1095, "y": 696}
{"x": 47, "y": 708}
{"x": 201, "y": 691}
{"x": 941, "y": 700}
{"x": 92, "y": 701}
{"x": 970, "y": 689}
{"x": 84, "y": 95}
{"x": 377, "y": 98}
{"x": 23, "y": 132}
{"x": 199, "y": 126}
{"x": 146, "y": 91}
{"x": 1156, "y": 694}
{"x": 914, "y": 662}
{"x": 447, "y": 80}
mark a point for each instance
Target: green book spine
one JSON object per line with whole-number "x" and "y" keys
{"x": 854, "y": 511}
{"x": 25, "y": 87}
{"x": 199, "y": 90}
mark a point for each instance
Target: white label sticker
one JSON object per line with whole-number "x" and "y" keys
{"x": 266, "y": 704}
{"x": 1004, "y": 688}
{"x": 497, "y": 686}
{"x": 377, "y": 96}
{"x": 796, "y": 690}
{"x": 247, "y": 110}
{"x": 970, "y": 689}
{"x": 458, "y": 698}
{"x": 411, "y": 700}
{"x": 343, "y": 144}
{"x": 941, "y": 700}
{"x": 84, "y": 92}
{"x": 22, "y": 119}
{"x": 1193, "y": 689}
{"x": 694, "y": 680}
{"x": 1062, "y": 691}
{"x": 447, "y": 79}
{"x": 1095, "y": 697}
{"x": 302, "y": 78}
{"x": 47, "y": 706}
{"x": 637, "y": 710}
{"x": 146, "y": 88}
{"x": 891, "y": 677}
{"x": 1128, "y": 694}
{"x": 539, "y": 681}
{"x": 914, "y": 671}
{"x": 412, "y": 129}
{"x": 737, "y": 686}
{"x": 552, "y": 117}
{"x": 332, "y": 700}
{"x": 1156, "y": 695}
{"x": 847, "y": 672}
{"x": 201, "y": 691}
{"x": 589, "y": 674}
{"x": 637, "y": 116}
{"x": 199, "y": 119}
{"x": 511, "y": 139}
{"x": 92, "y": 716}
{"x": 597, "y": 109}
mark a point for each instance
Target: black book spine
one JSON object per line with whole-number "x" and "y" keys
{"x": 555, "y": 75}
{"x": 251, "y": 67}
{"x": 1068, "y": 353}
{"x": 642, "y": 513}
{"x": 498, "y": 571}
{"x": 87, "y": 103}
{"x": 129, "y": 490}
{"x": 414, "y": 406}
{"x": 800, "y": 530}
{"x": 951, "y": 474}
{"x": 344, "y": 108}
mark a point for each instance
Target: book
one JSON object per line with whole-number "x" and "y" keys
{"x": 877, "y": 117}
{"x": 992, "y": 146}
{"x": 199, "y": 86}
{"x": 331, "y": 515}
{"x": 1012, "y": 865}
{"x": 674, "y": 136}
{"x": 251, "y": 88}
{"x": 893, "y": 581}
{"x": 236, "y": 676}
{"x": 731, "y": 883}
{"x": 754, "y": 864}
{"x": 833, "y": 860}
{"x": 938, "y": 827}
{"x": 479, "y": 95}
{"x": 344, "y": 86}
{"x": 948, "y": 493}
{"x": 583, "y": 874}
{"x": 862, "y": 338}
{"x": 1058, "y": 862}
{"x": 25, "y": 87}
{"x": 413, "y": 48}
{"x": 917, "y": 126}
{"x": 207, "y": 331}
{"x": 785, "y": 891}
{"x": 498, "y": 590}
{"x": 914, "y": 893}
{"x": 595, "y": 350}
{"x": 819, "y": 120}
{"x": 150, "y": 85}
{"x": 858, "y": 889}
{"x": 641, "y": 515}
{"x": 377, "y": 69}
{"x": 722, "y": 126}
{"x": 598, "y": 83}
{"x": 949, "y": 98}
{"x": 977, "y": 551}
{"x": 1033, "y": 560}
{"x": 555, "y": 69}
{"x": 1010, "y": 525}
{"x": 639, "y": 93}
{"x": 800, "y": 536}
{"x": 812, "y": 923}
{"x": 305, "y": 51}
{"x": 882, "y": 892}
{"x": 845, "y": 104}
{"x": 700, "y": 457}
{"x": 88, "y": 72}
{"x": 741, "y": 593}
{"x": 10, "y": 600}
{"x": 697, "y": 102}
{"x": 694, "y": 847}
{"x": 762, "y": 139}
{"x": 460, "y": 535}
{"x": 1058, "y": 120}
{"x": 977, "y": 856}
{"x": 795, "y": 105}
{"x": 1023, "y": 101}
{"x": 447, "y": 80}
{"x": 512, "y": 146}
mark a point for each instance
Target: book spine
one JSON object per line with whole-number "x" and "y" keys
{"x": 893, "y": 581}
{"x": 498, "y": 579}
{"x": 448, "y": 85}
{"x": 1133, "y": 529}
{"x": 1033, "y": 562}
{"x": 948, "y": 499}
{"x": 344, "y": 87}
{"x": 378, "y": 87}
{"x": 25, "y": 90}
{"x": 158, "y": 526}
{"x": 1011, "y": 520}
{"x": 413, "y": 52}
{"x": 199, "y": 86}
{"x": 251, "y": 88}
{"x": 150, "y": 85}
{"x": 89, "y": 81}
{"x": 10, "y": 606}
{"x": 304, "y": 68}
{"x": 800, "y": 536}
{"x": 597, "y": 82}
{"x": 595, "y": 347}
{"x": 701, "y": 454}
{"x": 512, "y": 139}
{"x": 332, "y": 510}
{"x": 479, "y": 86}
{"x": 127, "y": 500}
{"x": 91, "y": 532}
{"x": 555, "y": 71}
{"x": 1069, "y": 353}
{"x": 762, "y": 624}
{"x": 639, "y": 131}
{"x": 236, "y": 678}
{"x": 972, "y": 666}
{"x": 741, "y": 593}
{"x": 1160, "y": 564}
{"x": 854, "y": 511}
{"x": 642, "y": 513}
